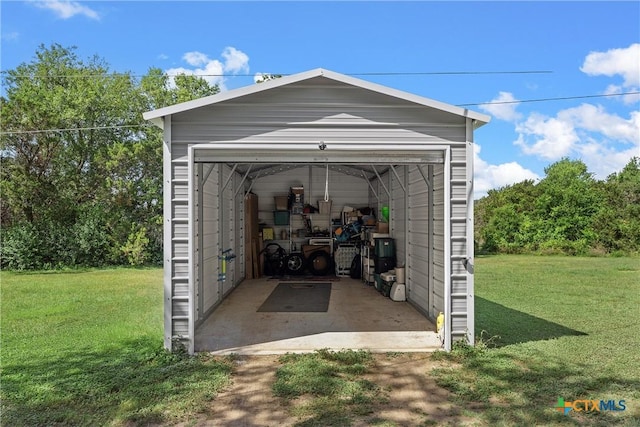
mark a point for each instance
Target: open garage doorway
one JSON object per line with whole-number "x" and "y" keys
{"x": 358, "y": 313}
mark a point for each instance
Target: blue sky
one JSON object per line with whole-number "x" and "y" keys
{"x": 591, "y": 48}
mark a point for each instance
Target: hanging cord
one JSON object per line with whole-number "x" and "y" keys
{"x": 326, "y": 185}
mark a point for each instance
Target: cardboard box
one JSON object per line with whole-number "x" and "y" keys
{"x": 307, "y": 250}
{"x": 382, "y": 227}
{"x": 281, "y": 202}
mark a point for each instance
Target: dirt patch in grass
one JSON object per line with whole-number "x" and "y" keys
{"x": 414, "y": 398}
{"x": 410, "y": 396}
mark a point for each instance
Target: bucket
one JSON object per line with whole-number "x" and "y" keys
{"x": 324, "y": 207}
{"x": 400, "y": 275}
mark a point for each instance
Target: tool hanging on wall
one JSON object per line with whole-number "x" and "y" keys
{"x": 226, "y": 256}
{"x": 326, "y": 185}
{"x": 325, "y": 206}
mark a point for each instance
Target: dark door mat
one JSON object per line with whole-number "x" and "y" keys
{"x": 298, "y": 297}
{"x": 305, "y": 278}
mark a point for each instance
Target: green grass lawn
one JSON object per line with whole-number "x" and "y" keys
{"x": 85, "y": 348}
{"x": 555, "y": 327}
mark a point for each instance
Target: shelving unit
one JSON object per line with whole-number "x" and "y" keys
{"x": 367, "y": 263}
{"x": 297, "y": 222}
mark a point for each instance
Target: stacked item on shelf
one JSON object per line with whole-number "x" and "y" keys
{"x": 368, "y": 265}
{"x": 296, "y": 197}
{"x": 343, "y": 257}
{"x": 384, "y": 258}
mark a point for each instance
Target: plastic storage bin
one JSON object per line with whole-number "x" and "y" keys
{"x": 281, "y": 217}
{"x": 382, "y": 265}
{"x": 385, "y": 247}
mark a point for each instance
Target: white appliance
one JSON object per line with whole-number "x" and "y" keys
{"x": 398, "y": 292}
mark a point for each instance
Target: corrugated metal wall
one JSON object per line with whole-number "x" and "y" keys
{"x": 210, "y": 241}
{"x": 438, "y": 247}
{"x": 306, "y": 113}
{"x": 398, "y": 212}
{"x": 420, "y": 274}
{"x": 177, "y": 244}
{"x": 314, "y": 111}
{"x": 459, "y": 249}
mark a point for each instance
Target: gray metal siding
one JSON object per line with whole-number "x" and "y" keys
{"x": 418, "y": 273}
{"x": 210, "y": 240}
{"x": 228, "y": 228}
{"x": 306, "y": 113}
{"x": 238, "y": 263}
{"x": 332, "y": 112}
{"x": 458, "y": 221}
{"x": 179, "y": 252}
{"x": 438, "y": 273}
{"x": 398, "y": 214}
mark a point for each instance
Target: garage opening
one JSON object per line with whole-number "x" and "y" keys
{"x": 382, "y": 147}
{"x": 258, "y": 232}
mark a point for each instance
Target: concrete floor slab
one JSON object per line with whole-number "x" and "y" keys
{"x": 358, "y": 318}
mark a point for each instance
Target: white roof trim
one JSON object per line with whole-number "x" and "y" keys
{"x": 156, "y": 115}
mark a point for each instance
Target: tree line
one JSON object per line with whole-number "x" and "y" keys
{"x": 567, "y": 211}
{"x": 81, "y": 177}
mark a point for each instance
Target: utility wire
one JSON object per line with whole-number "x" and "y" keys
{"x": 458, "y": 105}
{"x": 23, "y": 132}
{"x": 382, "y": 73}
{"x": 548, "y": 99}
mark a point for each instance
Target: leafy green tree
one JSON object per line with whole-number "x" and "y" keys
{"x": 59, "y": 119}
{"x": 503, "y": 218}
{"x": 81, "y": 170}
{"x": 617, "y": 223}
{"x": 569, "y": 198}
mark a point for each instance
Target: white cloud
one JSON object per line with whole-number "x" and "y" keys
{"x": 213, "y": 71}
{"x": 235, "y": 61}
{"x": 592, "y": 118}
{"x": 503, "y": 107}
{"x": 553, "y": 137}
{"x": 487, "y": 176}
{"x": 604, "y": 141}
{"x": 627, "y": 99}
{"x": 623, "y": 61}
{"x": 195, "y": 59}
{"x": 66, "y": 9}
{"x": 602, "y": 160}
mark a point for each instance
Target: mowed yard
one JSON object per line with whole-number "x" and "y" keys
{"x": 85, "y": 348}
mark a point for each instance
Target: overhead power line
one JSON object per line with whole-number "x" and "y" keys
{"x": 432, "y": 73}
{"x": 562, "y": 98}
{"x": 24, "y": 132}
{"x": 548, "y": 99}
{"x": 381, "y": 73}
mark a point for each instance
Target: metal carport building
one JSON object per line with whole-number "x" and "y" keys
{"x": 408, "y": 152}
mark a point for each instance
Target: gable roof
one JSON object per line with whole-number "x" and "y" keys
{"x": 155, "y": 116}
